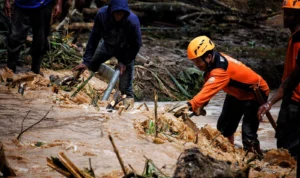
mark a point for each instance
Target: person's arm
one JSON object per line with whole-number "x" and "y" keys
{"x": 135, "y": 45}
{"x": 7, "y": 8}
{"x": 93, "y": 42}
{"x": 285, "y": 88}
{"x": 218, "y": 79}
{"x": 57, "y": 9}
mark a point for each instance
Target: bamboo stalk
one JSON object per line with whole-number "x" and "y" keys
{"x": 139, "y": 107}
{"x": 82, "y": 85}
{"x": 69, "y": 165}
{"x": 56, "y": 168}
{"x": 118, "y": 155}
{"x": 147, "y": 108}
{"x": 155, "y": 113}
{"x": 121, "y": 109}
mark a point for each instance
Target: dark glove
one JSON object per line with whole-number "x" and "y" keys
{"x": 198, "y": 111}
{"x": 121, "y": 67}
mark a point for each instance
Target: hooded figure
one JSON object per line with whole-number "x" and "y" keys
{"x": 120, "y": 30}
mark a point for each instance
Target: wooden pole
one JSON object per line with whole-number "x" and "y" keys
{"x": 261, "y": 101}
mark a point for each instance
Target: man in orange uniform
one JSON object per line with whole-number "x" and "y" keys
{"x": 288, "y": 128}
{"x": 287, "y": 87}
{"x": 225, "y": 73}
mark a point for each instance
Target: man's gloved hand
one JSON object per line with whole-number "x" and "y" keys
{"x": 121, "y": 67}
{"x": 197, "y": 111}
{"x": 81, "y": 67}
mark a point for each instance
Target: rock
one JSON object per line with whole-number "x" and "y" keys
{"x": 192, "y": 164}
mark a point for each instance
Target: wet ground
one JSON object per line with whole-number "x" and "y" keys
{"x": 82, "y": 132}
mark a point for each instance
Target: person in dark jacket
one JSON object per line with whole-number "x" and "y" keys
{"x": 26, "y": 14}
{"x": 120, "y": 30}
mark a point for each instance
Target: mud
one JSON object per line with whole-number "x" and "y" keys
{"x": 81, "y": 131}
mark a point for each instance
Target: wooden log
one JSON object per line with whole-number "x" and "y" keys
{"x": 4, "y": 167}
{"x": 91, "y": 13}
{"x": 235, "y": 19}
{"x": 69, "y": 165}
{"x": 81, "y": 25}
{"x": 167, "y": 6}
{"x": 56, "y": 168}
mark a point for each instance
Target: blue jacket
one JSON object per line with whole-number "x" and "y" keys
{"x": 32, "y": 4}
{"x": 123, "y": 36}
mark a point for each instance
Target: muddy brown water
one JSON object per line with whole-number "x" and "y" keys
{"x": 81, "y": 132}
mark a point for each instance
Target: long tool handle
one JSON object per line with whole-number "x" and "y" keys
{"x": 111, "y": 85}
{"x": 261, "y": 101}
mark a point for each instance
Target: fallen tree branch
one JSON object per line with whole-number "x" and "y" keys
{"x": 188, "y": 16}
{"x": 24, "y": 120}
{"x": 18, "y": 138}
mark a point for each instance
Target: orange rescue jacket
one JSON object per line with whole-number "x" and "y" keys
{"x": 290, "y": 61}
{"x": 233, "y": 77}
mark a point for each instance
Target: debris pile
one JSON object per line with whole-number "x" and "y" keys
{"x": 60, "y": 88}
{"x": 212, "y": 145}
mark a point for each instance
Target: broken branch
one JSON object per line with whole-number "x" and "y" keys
{"x": 34, "y": 123}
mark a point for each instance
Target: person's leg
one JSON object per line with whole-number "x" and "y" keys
{"x": 230, "y": 117}
{"x": 20, "y": 23}
{"x": 125, "y": 85}
{"x": 40, "y": 23}
{"x": 250, "y": 126}
{"x": 288, "y": 126}
{"x": 125, "y": 82}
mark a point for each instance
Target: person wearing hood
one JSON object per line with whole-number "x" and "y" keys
{"x": 120, "y": 32}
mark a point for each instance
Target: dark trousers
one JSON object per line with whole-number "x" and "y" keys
{"x": 288, "y": 126}
{"x": 105, "y": 52}
{"x": 232, "y": 112}
{"x": 22, "y": 19}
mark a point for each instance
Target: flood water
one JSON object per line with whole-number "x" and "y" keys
{"x": 81, "y": 132}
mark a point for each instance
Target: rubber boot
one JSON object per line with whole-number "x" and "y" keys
{"x": 12, "y": 58}
{"x": 36, "y": 63}
{"x": 231, "y": 139}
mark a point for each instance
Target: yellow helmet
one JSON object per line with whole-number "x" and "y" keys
{"x": 198, "y": 46}
{"x": 291, "y": 4}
